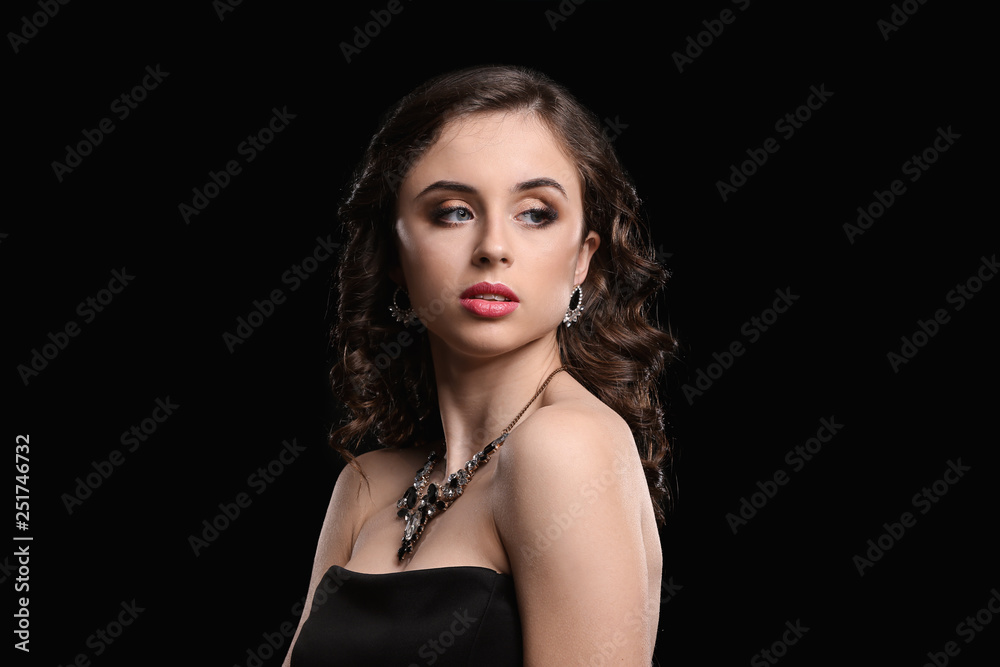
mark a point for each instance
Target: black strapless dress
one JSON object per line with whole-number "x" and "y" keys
{"x": 461, "y": 615}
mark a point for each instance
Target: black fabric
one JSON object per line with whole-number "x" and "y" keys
{"x": 445, "y": 616}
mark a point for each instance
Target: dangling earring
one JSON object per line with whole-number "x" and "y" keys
{"x": 573, "y": 312}
{"x": 404, "y": 315}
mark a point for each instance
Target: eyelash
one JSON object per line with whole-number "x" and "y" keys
{"x": 547, "y": 213}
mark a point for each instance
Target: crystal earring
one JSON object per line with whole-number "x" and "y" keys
{"x": 404, "y": 315}
{"x": 573, "y": 312}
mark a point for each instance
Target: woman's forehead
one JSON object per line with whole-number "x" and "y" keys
{"x": 495, "y": 150}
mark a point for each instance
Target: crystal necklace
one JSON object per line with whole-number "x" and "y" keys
{"x": 434, "y": 500}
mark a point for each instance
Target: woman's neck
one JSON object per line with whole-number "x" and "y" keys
{"x": 479, "y": 397}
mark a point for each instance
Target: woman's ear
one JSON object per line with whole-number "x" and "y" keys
{"x": 587, "y": 249}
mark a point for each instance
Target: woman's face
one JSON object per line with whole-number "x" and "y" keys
{"x": 494, "y": 200}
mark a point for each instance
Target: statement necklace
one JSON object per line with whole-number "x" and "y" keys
{"x": 435, "y": 500}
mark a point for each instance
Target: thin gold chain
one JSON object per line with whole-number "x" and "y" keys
{"x": 537, "y": 393}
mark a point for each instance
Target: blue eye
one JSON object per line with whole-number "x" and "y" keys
{"x": 540, "y": 216}
{"x": 453, "y": 215}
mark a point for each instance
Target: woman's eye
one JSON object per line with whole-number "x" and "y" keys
{"x": 539, "y": 216}
{"x": 454, "y": 214}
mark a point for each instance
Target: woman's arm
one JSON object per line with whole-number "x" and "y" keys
{"x": 569, "y": 515}
{"x": 336, "y": 538}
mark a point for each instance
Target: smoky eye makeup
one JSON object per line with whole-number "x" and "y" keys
{"x": 534, "y": 211}
{"x": 539, "y": 216}
{"x": 454, "y": 215}
{"x": 451, "y": 215}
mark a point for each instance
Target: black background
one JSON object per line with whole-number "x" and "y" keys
{"x": 680, "y": 132}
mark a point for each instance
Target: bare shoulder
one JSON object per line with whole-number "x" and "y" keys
{"x": 571, "y": 454}
{"x": 575, "y": 435}
{"x": 574, "y": 514}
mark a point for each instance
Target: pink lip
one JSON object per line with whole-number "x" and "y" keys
{"x": 489, "y": 308}
{"x": 489, "y": 288}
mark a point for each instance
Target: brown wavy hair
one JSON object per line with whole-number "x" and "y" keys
{"x": 383, "y": 372}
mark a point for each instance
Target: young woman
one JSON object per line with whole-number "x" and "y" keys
{"x": 493, "y": 338}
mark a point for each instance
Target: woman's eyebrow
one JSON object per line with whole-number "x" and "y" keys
{"x": 455, "y": 186}
{"x": 539, "y": 183}
{"x": 452, "y": 186}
